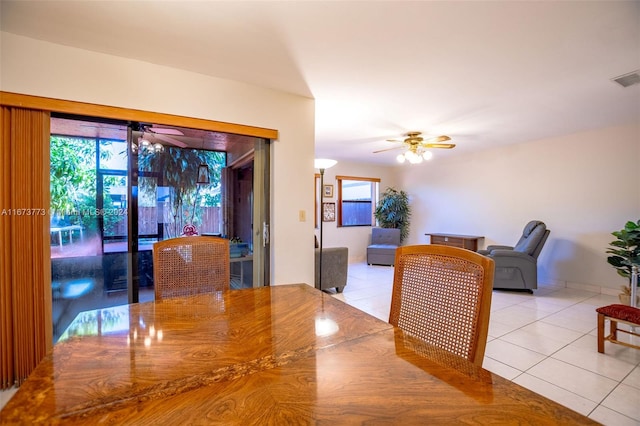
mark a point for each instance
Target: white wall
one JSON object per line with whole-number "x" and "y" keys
{"x": 39, "y": 68}
{"x": 356, "y": 238}
{"x": 583, "y": 186}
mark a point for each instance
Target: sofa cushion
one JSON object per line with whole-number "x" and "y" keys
{"x": 381, "y": 248}
{"x": 531, "y": 238}
{"x": 385, "y": 236}
{"x": 621, "y": 312}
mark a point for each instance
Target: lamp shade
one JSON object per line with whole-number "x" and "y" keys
{"x": 324, "y": 163}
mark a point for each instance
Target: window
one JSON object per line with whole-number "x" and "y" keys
{"x": 357, "y": 198}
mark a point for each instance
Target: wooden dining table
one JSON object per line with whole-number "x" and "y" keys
{"x": 279, "y": 355}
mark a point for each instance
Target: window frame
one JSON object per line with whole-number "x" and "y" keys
{"x": 375, "y": 191}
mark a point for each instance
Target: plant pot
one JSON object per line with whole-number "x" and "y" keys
{"x": 625, "y": 299}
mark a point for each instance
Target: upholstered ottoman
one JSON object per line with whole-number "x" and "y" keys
{"x": 617, "y": 313}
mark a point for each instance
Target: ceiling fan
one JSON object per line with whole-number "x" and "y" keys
{"x": 165, "y": 135}
{"x": 417, "y": 147}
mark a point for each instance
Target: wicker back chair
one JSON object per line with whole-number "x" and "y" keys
{"x": 184, "y": 266}
{"x": 442, "y": 295}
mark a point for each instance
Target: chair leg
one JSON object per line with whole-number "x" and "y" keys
{"x": 601, "y": 333}
{"x": 614, "y": 329}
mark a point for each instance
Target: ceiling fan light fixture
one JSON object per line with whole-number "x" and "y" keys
{"x": 413, "y": 157}
{"x": 417, "y": 148}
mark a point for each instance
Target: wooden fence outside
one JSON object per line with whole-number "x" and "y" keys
{"x": 211, "y": 222}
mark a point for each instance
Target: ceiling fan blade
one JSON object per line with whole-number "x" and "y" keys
{"x": 170, "y": 140}
{"x": 163, "y": 131}
{"x": 102, "y": 126}
{"x": 387, "y": 149}
{"x": 441, "y": 138}
{"x": 414, "y": 139}
{"x": 439, "y": 145}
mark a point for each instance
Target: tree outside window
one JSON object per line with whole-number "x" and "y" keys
{"x": 185, "y": 198}
{"x": 73, "y": 180}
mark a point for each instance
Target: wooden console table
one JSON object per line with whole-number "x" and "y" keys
{"x": 469, "y": 242}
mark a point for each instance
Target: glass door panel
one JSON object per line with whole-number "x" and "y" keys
{"x": 116, "y": 189}
{"x": 169, "y": 196}
{"x": 113, "y": 208}
{"x": 149, "y": 231}
{"x": 89, "y": 203}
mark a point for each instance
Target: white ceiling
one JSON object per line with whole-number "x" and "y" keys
{"x": 485, "y": 73}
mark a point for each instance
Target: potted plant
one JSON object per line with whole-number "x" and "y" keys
{"x": 625, "y": 252}
{"x": 393, "y": 211}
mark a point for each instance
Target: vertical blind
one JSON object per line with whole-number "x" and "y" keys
{"x": 25, "y": 290}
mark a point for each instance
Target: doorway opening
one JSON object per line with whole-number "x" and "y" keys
{"x": 118, "y": 187}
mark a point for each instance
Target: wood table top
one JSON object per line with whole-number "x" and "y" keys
{"x": 271, "y": 355}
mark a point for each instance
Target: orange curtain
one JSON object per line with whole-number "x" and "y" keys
{"x": 25, "y": 265}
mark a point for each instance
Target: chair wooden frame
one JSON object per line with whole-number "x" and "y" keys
{"x": 614, "y": 330}
{"x": 190, "y": 265}
{"x": 442, "y": 295}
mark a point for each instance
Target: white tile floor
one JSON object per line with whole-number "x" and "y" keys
{"x": 544, "y": 341}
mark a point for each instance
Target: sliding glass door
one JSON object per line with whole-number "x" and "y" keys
{"x": 117, "y": 188}
{"x": 261, "y": 190}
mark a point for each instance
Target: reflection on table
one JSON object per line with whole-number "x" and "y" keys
{"x": 270, "y": 355}
{"x": 241, "y": 272}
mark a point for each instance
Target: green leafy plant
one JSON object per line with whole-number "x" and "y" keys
{"x": 73, "y": 179}
{"x": 625, "y": 250}
{"x": 178, "y": 169}
{"x": 72, "y": 172}
{"x": 393, "y": 211}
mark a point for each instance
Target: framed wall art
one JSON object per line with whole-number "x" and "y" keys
{"x": 327, "y": 191}
{"x": 328, "y": 212}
